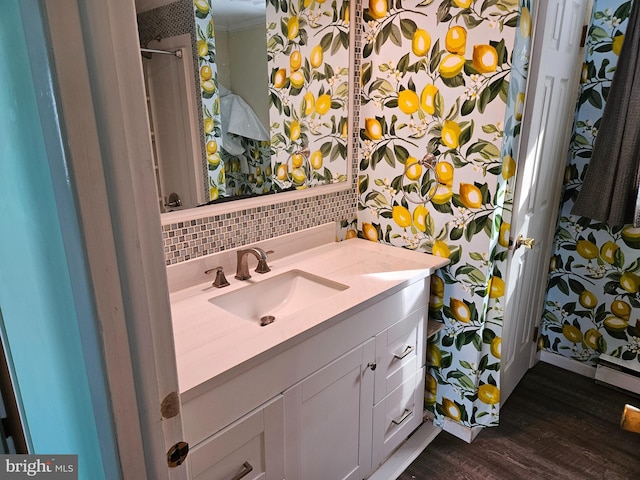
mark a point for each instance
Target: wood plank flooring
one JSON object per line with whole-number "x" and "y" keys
{"x": 556, "y": 425}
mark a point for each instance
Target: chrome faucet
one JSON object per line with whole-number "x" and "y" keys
{"x": 242, "y": 271}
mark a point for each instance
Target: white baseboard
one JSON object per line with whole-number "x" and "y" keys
{"x": 406, "y": 453}
{"x": 468, "y": 434}
{"x": 568, "y": 364}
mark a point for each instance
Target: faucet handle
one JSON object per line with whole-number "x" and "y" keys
{"x": 221, "y": 280}
{"x": 262, "y": 263}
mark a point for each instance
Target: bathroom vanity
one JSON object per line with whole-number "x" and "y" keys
{"x": 329, "y": 389}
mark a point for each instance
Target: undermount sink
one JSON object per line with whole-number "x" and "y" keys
{"x": 278, "y": 296}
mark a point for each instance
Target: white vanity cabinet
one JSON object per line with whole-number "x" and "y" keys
{"x": 332, "y": 405}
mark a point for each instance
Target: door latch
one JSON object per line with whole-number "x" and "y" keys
{"x": 521, "y": 241}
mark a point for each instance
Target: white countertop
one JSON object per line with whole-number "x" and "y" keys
{"x": 212, "y": 344}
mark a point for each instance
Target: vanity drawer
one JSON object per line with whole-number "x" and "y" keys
{"x": 250, "y": 448}
{"x": 396, "y": 416}
{"x": 400, "y": 352}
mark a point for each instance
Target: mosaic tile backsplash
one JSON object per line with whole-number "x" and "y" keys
{"x": 202, "y": 236}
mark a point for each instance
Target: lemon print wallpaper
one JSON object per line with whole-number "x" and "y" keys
{"x": 308, "y": 58}
{"x": 446, "y": 79}
{"x": 592, "y": 303}
{"x": 206, "y": 47}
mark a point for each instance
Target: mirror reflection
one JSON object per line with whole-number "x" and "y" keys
{"x": 245, "y": 98}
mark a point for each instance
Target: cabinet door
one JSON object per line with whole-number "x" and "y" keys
{"x": 249, "y": 449}
{"x": 328, "y": 420}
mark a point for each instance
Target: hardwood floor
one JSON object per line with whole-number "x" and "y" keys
{"x": 556, "y": 425}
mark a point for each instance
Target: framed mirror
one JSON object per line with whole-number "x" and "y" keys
{"x": 295, "y": 134}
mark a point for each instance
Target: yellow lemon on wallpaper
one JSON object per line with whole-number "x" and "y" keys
{"x": 608, "y": 252}
{"x": 489, "y": 394}
{"x": 408, "y": 101}
{"x": 621, "y": 309}
{"x": 282, "y": 172}
{"x": 203, "y": 48}
{"x": 293, "y": 27}
{"x": 295, "y": 60}
{"x": 496, "y": 347}
{"x": 519, "y": 108}
{"x": 323, "y": 104}
{"x": 451, "y": 410}
{"x": 316, "y": 160}
{"x": 503, "y": 235}
{"x": 213, "y": 159}
{"x": 444, "y": 172}
{"x": 451, "y": 65}
{"x": 451, "y": 134}
{"x": 616, "y": 45}
{"x": 615, "y": 324}
{"x": 631, "y": 236}
{"x": 591, "y": 338}
{"x": 372, "y": 128}
{"x": 298, "y": 175}
{"x": 213, "y": 193}
{"x": 460, "y": 310}
{"x": 442, "y": 195}
{"x": 401, "y": 216}
{"x": 420, "y": 218}
{"x": 470, "y": 195}
{"x": 201, "y": 6}
{"x": 296, "y": 160}
{"x": 587, "y": 249}
{"x": 440, "y": 249}
{"x": 309, "y": 103}
{"x": 496, "y": 287}
{"x": 420, "y": 42}
{"x": 205, "y": 72}
{"x": 208, "y": 87}
{"x": 525, "y": 22}
{"x": 280, "y": 77}
{"x": 212, "y": 146}
{"x": 369, "y": 232}
{"x": 378, "y": 8}
{"x": 428, "y": 99}
{"x": 294, "y": 130}
{"x": 463, "y": 3}
{"x": 485, "y": 58}
{"x": 315, "y": 58}
{"x": 297, "y": 79}
{"x": 208, "y": 124}
{"x": 412, "y": 169}
{"x": 508, "y": 167}
{"x": 430, "y": 383}
{"x": 588, "y": 299}
{"x": 345, "y": 129}
{"x": 572, "y": 333}
{"x": 351, "y": 234}
{"x": 455, "y": 41}
{"x": 437, "y": 285}
{"x": 434, "y": 355}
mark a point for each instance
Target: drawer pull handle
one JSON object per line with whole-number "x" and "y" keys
{"x": 406, "y": 414}
{"x": 246, "y": 470}
{"x": 406, "y": 352}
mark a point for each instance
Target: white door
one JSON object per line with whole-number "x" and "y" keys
{"x": 548, "y": 116}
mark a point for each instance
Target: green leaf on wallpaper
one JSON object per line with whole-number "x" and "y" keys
{"x": 487, "y": 3}
{"x": 629, "y": 355}
{"x": 443, "y": 12}
{"x": 471, "y": 20}
{"x": 623, "y": 11}
{"x": 453, "y": 82}
{"x": 576, "y": 286}
{"x": 456, "y": 233}
{"x": 408, "y": 28}
{"x": 443, "y": 208}
{"x": 468, "y": 106}
{"x": 447, "y": 341}
{"x": 403, "y": 64}
{"x": 367, "y": 50}
{"x": 388, "y": 157}
{"x": 465, "y": 134}
{"x": 465, "y": 364}
{"x": 597, "y": 34}
{"x": 401, "y": 153}
{"x": 436, "y": 55}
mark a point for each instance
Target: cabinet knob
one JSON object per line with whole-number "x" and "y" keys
{"x": 372, "y": 366}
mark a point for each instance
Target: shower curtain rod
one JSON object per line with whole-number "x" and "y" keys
{"x": 177, "y": 53}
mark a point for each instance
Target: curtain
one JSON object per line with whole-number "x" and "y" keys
{"x": 609, "y": 192}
